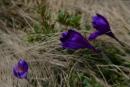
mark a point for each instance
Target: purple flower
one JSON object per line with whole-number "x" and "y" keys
{"x": 20, "y": 70}
{"x": 100, "y": 23}
{"x": 102, "y": 26}
{"x": 74, "y": 40}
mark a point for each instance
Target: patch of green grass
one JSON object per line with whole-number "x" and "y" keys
{"x": 36, "y": 38}
{"x": 127, "y": 50}
{"x": 129, "y": 33}
{"x": 33, "y": 82}
{"x": 114, "y": 55}
{"x": 77, "y": 79}
{"x": 88, "y": 27}
{"x": 44, "y": 12}
{"x": 104, "y": 64}
{"x": 1, "y": 41}
{"x": 74, "y": 80}
{"x": 89, "y": 82}
{"x": 114, "y": 76}
{"x": 66, "y": 18}
{"x": 40, "y": 33}
{"x": 45, "y": 25}
{"x": 42, "y": 29}
{"x": 37, "y": 28}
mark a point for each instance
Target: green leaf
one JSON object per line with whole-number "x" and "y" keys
{"x": 37, "y": 28}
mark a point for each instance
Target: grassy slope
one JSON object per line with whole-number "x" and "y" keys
{"x": 51, "y": 66}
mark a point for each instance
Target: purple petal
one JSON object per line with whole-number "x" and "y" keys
{"x": 20, "y": 70}
{"x": 100, "y": 23}
{"x": 23, "y": 64}
{"x": 94, "y": 35}
{"x": 19, "y": 74}
{"x": 64, "y": 34}
{"x": 74, "y": 40}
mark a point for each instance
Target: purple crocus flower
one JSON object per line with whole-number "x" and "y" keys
{"x": 74, "y": 40}
{"x": 20, "y": 70}
{"x": 102, "y": 26}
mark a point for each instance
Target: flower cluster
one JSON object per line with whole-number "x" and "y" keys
{"x": 102, "y": 26}
{"x": 72, "y": 39}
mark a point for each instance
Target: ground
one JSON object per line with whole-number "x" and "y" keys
{"x": 52, "y": 66}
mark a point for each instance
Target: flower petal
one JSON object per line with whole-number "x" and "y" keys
{"x": 20, "y": 70}
{"x": 74, "y": 40}
{"x": 100, "y": 23}
{"x": 94, "y": 35}
{"x": 23, "y": 64}
{"x": 19, "y": 74}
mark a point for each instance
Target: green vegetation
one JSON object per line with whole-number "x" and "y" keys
{"x": 51, "y": 65}
{"x": 66, "y": 18}
{"x": 43, "y": 28}
{"x": 88, "y": 27}
{"x": 129, "y": 33}
{"x": 88, "y": 69}
{"x": 105, "y": 65}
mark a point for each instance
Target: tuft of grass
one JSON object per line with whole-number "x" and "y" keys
{"x": 43, "y": 28}
{"x": 114, "y": 54}
{"x": 37, "y": 28}
{"x": 36, "y": 38}
{"x": 89, "y": 82}
{"x": 114, "y": 76}
{"x": 47, "y": 28}
{"x": 87, "y": 27}
{"x": 46, "y": 25}
{"x": 85, "y": 67}
{"x": 74, "y": 80}
{"x": 129, "y": 33}
{"x": 105, "y": 65}
{"x": 66, "y": 18}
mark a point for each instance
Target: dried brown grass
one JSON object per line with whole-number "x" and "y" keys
{"x": 17, "y": 18}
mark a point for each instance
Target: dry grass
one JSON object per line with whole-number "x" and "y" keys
{"x": 47, "y": 61}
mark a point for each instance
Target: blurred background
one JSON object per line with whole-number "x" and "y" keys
{"x": 30, "y": 29}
